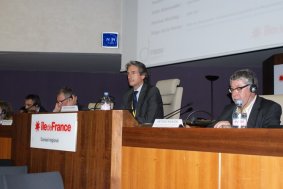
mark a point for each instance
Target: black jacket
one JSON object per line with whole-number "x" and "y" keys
{"x": 149, "y": 107}
{"x": 264, "y": 113}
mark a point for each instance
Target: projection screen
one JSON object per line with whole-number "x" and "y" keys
{"x": 160, "y": 32}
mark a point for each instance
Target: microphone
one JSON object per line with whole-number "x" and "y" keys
{"x": 171, "y": 114}
{"x": 238, "y": 102}
{"x": 188, "y": 110}
{"x": 93, "y": 106}
{"x": 3, "y": 112}
{"x": 195, "y": 121}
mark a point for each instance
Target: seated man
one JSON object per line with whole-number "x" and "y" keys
{"x": 32, "y": 104}
{"x": 5, "y": 111}
{"x": 143, "y": 99}
{"x": 65, "y": 97}
{"x": 260, "y": 112}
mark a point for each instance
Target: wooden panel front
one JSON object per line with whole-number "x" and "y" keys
{"x": 6, "y": 138}
{"x": 5, "y": 148}
{"x": 249, "y": 171}
{"x": 96, "y": 164}
{"x": 261, "y": 167}
{"x": 88, "y": 167}
{"x": 171, "y": 169}
{"x": 237, "y": 141}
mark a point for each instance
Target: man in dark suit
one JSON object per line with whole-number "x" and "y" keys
{"x": 261, "y": 113}
{"x": 143, "y": 99}
{"x": 32, "y": 104}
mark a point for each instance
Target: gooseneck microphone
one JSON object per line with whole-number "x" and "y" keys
{"x": 188, "y": 110}
{"x": 193, "y": 121}
{"x": 238, "y": 102}
{"x": 171, "y": 114}
{"x": 96, "y": 107}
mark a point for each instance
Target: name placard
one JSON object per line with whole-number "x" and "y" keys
{"x": 54, "y": 131}
{"x": 70, "y": 108}
{"x": 6, "y": 122}
{"x": 168, "y": 123}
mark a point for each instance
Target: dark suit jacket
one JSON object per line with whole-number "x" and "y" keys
{"x": 41, "y": 109}
{"x": 264, "y": 113}
{"x": 149, "y": 107}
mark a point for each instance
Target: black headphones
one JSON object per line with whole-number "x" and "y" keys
{"x": 253, "y": 87}
{"x": 3, "y": 112}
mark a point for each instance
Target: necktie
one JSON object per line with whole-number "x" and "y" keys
{"x": 135, "y": 102}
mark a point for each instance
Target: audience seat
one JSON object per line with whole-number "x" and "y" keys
{"x": 171, "y": 94}
{"x": 276, "y": 98}
{"x": 13, "y": 170}
{"x": 6, "y": 162}
{"x": 47, "y": 180}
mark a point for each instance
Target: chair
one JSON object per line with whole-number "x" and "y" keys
{"x": 10, "y": 170}
{"x": 278, "y": 98}
{"x": 6, "y": 162}
{"x": 47, "y": 180}
{"x": 2, "y": 182}
{"x": 171, "y": 95}
{"x": 13, "y": 170}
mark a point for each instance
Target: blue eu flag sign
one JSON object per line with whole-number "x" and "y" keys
{"x": 110, "y": 39}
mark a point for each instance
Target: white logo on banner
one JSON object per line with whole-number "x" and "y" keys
{"x": 54, "y": 131}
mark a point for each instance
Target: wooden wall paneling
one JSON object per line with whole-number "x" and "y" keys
{"x": 97, "y": 160}
{"x": 5, "y": 147}
{"x": 21, "y": 139}
{"x": 236, "y": 141}
{"x": 168, "y": 169}
{"x": 251, "y": 171}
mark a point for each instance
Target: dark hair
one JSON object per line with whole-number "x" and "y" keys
{"x": 245, "y": 74}
{"x": 35, "y": 99}
{"x": 67, "y": 91}
{"x": 6, "y": 109}
{"x": 141, "y": 67}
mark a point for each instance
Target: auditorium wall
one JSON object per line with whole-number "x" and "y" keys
{"x": 89, "y": 87}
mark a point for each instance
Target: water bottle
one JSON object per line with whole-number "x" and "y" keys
{"x": 239, "y": 119}
{"x": 105, "y": 103}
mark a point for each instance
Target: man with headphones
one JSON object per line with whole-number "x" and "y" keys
{"x": 32, "y": 104}
{"x": 261, "y": 113}
{"x": 142, "y": 99}
{"x": 5, "y": 111}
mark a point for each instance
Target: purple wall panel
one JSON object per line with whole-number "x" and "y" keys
{"x": 90, "y": 86}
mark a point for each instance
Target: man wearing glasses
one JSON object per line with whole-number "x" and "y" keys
{"x": 65, "y": 97}
{"x": 260, "y": 112}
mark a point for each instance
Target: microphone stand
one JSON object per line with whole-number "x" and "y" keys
{"x": 176, "y": 111}
{"x": 211, "y": 78}
{"x": 207, "y": 122}
{"x": 188, "y": 110}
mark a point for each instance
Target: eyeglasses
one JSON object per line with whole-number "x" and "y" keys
{"x": 238, "y": 89}
{"x": 61, "y": 101}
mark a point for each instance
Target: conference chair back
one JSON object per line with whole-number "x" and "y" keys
{"x": 278, "y": 98}
{"x": 46, "y": 180}
{"x": 171, "y": 94}
{"x": 13, "y": 170}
